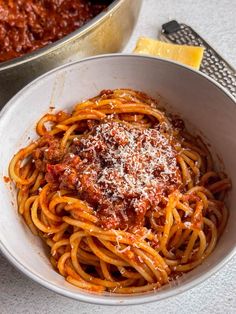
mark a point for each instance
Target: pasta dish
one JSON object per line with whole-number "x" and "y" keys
{"x": 126, "y": 199}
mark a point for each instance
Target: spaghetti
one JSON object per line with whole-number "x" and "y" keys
{"x": 125, "y": 199}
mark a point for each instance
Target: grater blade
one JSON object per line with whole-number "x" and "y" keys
{"x": 212, "y": 63}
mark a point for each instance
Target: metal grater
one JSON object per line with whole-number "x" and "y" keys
{"x": 212, "y": 64}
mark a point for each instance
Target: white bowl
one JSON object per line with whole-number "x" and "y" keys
{"x": 197, "y": 98}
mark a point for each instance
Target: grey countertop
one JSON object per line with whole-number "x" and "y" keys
{"x": 216, "y": 22}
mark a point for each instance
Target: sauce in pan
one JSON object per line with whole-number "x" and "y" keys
{"x": 26, "y": 25}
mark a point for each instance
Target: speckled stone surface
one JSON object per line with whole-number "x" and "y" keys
{"x": 216, "y": 22}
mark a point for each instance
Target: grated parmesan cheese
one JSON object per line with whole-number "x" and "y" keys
{"x": 131, "y": 169}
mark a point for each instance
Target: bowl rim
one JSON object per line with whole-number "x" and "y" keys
{"x": 86, "y": 28}
{"x": 113, "y": 299}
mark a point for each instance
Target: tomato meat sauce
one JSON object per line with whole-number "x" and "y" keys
{"x": 120, "y": 170}
{"x": 26, "y": 25}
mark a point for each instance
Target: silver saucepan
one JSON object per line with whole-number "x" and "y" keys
{"x": 108, "y": 32}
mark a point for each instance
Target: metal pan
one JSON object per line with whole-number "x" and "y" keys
{"x": 108, "y": 32}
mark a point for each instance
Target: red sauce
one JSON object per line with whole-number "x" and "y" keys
{"x": 26, "y": 25}
{"x": 121, "y": 171}
{"x": 6, "y": 179}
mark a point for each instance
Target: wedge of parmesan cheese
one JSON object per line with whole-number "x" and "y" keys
{"x": 188, "y": 55}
